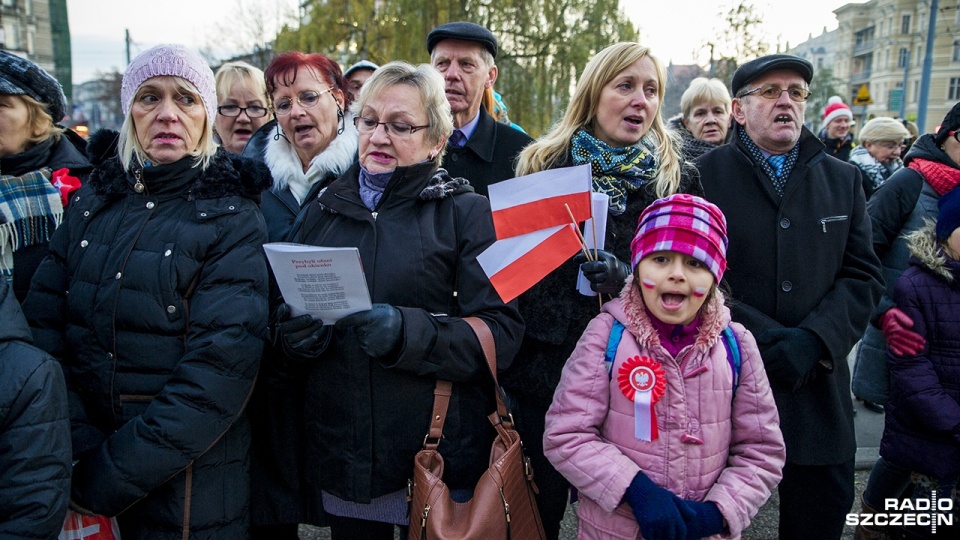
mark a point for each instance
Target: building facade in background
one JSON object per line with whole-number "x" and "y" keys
{"x": 39, "y": 30}
{"x": 878, "y": 50}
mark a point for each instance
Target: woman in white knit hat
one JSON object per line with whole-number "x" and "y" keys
{"x": 161, "y": 333}
{"x": 835, "y": 132}
{"x": 878, "y": 156}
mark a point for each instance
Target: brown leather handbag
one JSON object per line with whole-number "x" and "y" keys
{"x": 503, "y": 504}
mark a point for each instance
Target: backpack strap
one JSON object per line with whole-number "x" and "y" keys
{"x": 616, "y": 334}
{"x": 733, "y": 355}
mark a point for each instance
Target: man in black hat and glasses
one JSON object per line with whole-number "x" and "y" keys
{"x": 481, "y": 149}
{"x": 804, "y": 280}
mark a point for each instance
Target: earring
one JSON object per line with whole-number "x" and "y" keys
{"x": 341, "y": 121}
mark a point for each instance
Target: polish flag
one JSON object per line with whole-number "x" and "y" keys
{"x": 518, "y": 263}
{"x": 539, "y": 201}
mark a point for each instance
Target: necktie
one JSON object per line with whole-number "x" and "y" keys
{"x": 777, "y": 163}
{"x": 457, "y": 139}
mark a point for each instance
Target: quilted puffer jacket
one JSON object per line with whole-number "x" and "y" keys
{"x": 922, "y": 424}
{"x": 34, "y": 431}
{"x": 154, "y": 299}
{"x": 712, "y": 445}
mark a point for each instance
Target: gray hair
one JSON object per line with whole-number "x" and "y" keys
{"x": 704, "y": 90}
{"x": 429, "y": 85}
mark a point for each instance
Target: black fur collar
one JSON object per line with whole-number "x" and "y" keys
{"x": 227, "y": 175}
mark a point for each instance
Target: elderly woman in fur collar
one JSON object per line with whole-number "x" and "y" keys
{"x": 161, "y": 333}
{"x": 370, "y": 380}
{"x": 311, "y": 142}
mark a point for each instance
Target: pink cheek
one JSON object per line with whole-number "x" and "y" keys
{"x": 700, "y": 292}
{"x": 648, "y": 283}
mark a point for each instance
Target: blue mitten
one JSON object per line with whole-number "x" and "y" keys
{"x": 702, "y": 518}
{"x": 655, "y": 509}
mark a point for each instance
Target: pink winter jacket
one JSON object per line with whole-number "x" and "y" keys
{"x": 711, "y": 446}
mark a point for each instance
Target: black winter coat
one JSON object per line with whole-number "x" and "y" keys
{"x": 366, "y": 418}
{"x": 66, "y": 153}
{"x": 155, "y": 302}
{"x": 34, "y": 431}
{"x": 804, "y": 260}
{"x": 490, "y": 155}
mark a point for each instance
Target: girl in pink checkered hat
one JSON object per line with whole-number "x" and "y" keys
{"x": 663, "y": 418}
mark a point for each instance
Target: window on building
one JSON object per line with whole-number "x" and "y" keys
{"x": 954, "y": 90}
{"x": 916, "y": 92}
{"x": 905, "y": 24}
{"x": 956, "y": 50}
{"x": 904, "y": 58}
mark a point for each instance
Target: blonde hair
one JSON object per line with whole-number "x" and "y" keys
{"x": 883, "y": 128}
{"x": 129, "y": 147}
{"x": 39, "y": 121}
{"x": 704, "y": 90}
{"x": 430, "y": 87}
{"x": 232, "y": 73}
{"x": 553, "y": 148}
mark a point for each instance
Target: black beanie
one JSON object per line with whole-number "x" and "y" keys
{"x": 19, "y": 76}
{"x": 951, "y": 122}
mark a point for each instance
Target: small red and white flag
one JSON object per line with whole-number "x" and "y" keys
{"x": 518, "y": 263}
{"x": 539, "y": 201}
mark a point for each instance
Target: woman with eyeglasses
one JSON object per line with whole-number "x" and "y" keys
{"x": 370, "y": 377}
{"x": 878, "y": 156}
{"x": 242, "y": 105}
{"x": 312, "y": 141}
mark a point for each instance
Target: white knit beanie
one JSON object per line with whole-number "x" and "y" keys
{"x": 835, "y": 109}
{"x": 176, "y": 61}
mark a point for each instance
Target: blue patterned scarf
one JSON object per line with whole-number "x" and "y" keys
{"x": 30, "y": 210}
{"x": 779, "y": 180}
{"x": 616, "y": 171}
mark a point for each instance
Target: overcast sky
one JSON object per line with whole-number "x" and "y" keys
{"x": 97, "y": 26}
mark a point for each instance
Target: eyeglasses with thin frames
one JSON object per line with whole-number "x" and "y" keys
{"x": 773, "y": 91}
{"x": 233, "y": 111}
{"x": 954, "y": 134}
{"x": 400, "y": 129}
{"x": 307, "y": 99}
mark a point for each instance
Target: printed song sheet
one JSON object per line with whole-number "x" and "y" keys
{"x": 327, "y": 283}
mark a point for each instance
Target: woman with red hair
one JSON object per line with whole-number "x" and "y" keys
{"x": 312, "y": 141}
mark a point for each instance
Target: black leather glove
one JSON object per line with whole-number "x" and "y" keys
{"x": 789, "y": 355}
{"x": 607, "y": 274}
{"x": 302, "y": 338}
{"x": 379, "y": 329}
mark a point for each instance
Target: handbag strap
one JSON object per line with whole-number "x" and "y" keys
{"x": 444, "y": 389}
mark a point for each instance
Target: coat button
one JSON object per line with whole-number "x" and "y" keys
{"x": 150, "y": 205}
{"x": 119, "y": 275}
{"x": 171, "y": 309}
{"x": 231, "y": 207}
{"x": 109, "y": 355}
{"x": 786, "y": 286}
{"x": 84, "y": 243}
{"x": 784, "y": 223}
{"x": 454, "y": 157}
{"x": 167, "y": 253}
{"x": 86, "y": 214}
{"x": 203, "y": 214}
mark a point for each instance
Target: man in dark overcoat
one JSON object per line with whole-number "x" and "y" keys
{"x": 804, "y": 280}
{"x": 481, "y": 149}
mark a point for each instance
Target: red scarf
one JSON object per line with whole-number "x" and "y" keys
{"x": 941, "y": 178}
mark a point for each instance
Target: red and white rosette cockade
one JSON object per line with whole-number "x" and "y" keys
{"x": 643, "y": 381}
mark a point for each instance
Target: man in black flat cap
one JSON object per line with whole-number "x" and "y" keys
{"x": 804, "y": 280}
{"x": 481, "y": 149}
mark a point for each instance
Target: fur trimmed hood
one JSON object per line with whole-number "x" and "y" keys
{"x": 227, "y": 175}
{"x": 714, "y": 317}
{"x": 926, "y": 251}
{"x": 284, "y": 163}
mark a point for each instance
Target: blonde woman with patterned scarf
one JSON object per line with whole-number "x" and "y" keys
{"x": 613, "y": 122}
{"x": 40, "y": 163}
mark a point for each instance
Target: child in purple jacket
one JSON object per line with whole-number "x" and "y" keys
{"x": 662, "y": 431}
{"x": 922, "y": 425}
